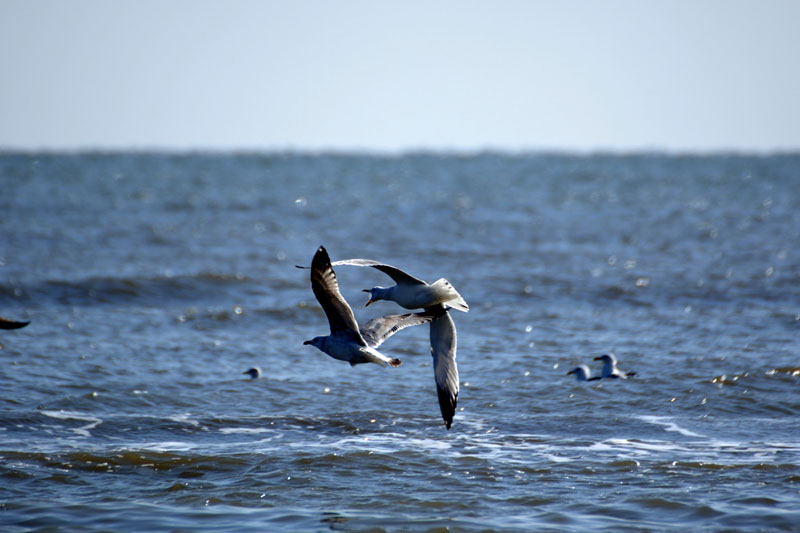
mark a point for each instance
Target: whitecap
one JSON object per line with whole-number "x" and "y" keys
{"x": 83, "y": 431}
{"x": 229, "y": 431}
{"x": 669, "y": 426}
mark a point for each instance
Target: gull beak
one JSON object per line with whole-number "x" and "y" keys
{"x": 370, "y": 300}
{"x": 306, "y": 342}
{"x": 599, "y": 357}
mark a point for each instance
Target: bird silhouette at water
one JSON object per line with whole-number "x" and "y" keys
{"x": 254, "y": 372}
{"x": 6, "y": 323}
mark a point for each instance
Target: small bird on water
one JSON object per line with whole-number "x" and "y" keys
{"x": 610, "y": 369}
{"x": 254, "y": 372}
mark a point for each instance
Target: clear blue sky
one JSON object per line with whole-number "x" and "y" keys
{"x": 383, "y": 75}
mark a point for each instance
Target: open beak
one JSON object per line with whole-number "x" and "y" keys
{"x": 370, "y": 300}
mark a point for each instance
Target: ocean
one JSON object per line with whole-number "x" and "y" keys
{"x": 152, "y": 281}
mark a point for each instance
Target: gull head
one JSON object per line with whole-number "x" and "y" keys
{"x": 581, "y": 372}
{"x": 607, "y": 358}
{"x": 375, "y": 294}
{"x": 254, "y": 372}
{"x": 317, "y": 342}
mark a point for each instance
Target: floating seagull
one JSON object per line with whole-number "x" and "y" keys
{"x": 346, "y": 342}
{"x": 410, "y": 292}
{"x": 610, "y": 369}
{"x": 5, "y": 323}
{"x": 254, "y": 372}
{"x": 582, "y": 373}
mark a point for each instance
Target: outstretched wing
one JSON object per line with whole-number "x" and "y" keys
{"x": 445, "y": 370}
{"x": 393, "y": 272}
{"x": 379, "y": 329}
{"x": 326, "y": 289}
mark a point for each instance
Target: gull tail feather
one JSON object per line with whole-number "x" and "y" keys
{"x": 455, "y": 301}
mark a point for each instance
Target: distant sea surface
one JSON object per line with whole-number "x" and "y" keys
{"x": 152, "y": 281}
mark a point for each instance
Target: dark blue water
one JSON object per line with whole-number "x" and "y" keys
{"x": 152, "y": 281}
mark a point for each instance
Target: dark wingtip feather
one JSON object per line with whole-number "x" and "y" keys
{"x": 447, "y": 404}
{"x": 395, "y": 362}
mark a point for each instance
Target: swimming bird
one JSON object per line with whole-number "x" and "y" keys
{"x": 254, "y": 372}
{"x": 6, "y": 323}
{"x": 410, "y": 292}
{"x": 582, "y": 373}
{"x": 347, "y": 342}
{"x": 610, "y": 369}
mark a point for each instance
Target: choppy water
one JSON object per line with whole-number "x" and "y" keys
{"x": 152, "y": 281}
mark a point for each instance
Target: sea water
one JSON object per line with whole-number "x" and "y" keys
{"x": 152, "y": 281}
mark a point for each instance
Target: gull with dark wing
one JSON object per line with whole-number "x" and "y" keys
{"x": 409, "y": 292}
{"x": 437, "y": 298}
{"x": 610, "y": 369}
{"x": 347, "y": 342}
{"x": 582, "y": 373}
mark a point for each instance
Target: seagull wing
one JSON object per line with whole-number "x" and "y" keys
{"x": 379, "y": 329}
{"x": 393, "y": 272}
{"x": 326, "y": 289}
{"x": 445, "y": 370}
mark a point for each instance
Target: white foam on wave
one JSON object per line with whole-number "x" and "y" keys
{"x": 83, "y": 431}
{"x": 168, "y": 446}
{"x": 639, "y": 447}
{"x": 668, "y": 425}
{"x": 253, "y": 431}
{"x": 183, "y": 419}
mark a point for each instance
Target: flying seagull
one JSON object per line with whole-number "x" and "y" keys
{"x": 347, "y": 342}
{"x": 610, "y": 369}
{"x": 582, "y": 373}
{"x": 410, "y": 292}
{"x": 437, "y": 299}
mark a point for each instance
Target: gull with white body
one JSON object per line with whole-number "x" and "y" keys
{"x": 410, "y": 292}
{"x": 583, "y": 373}
{"x": 436, "y": 299}
{"x": 610, "y": 369}
{"x": 348, "y": 342}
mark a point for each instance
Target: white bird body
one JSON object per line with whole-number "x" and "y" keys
{"x": 410, "y": 292}
{"x": 610, "y": 369}
{"x": 417, "y": 296}
{"x": 350, "y": 350}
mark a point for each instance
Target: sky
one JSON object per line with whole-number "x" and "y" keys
{"x": 617, "y": 75}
